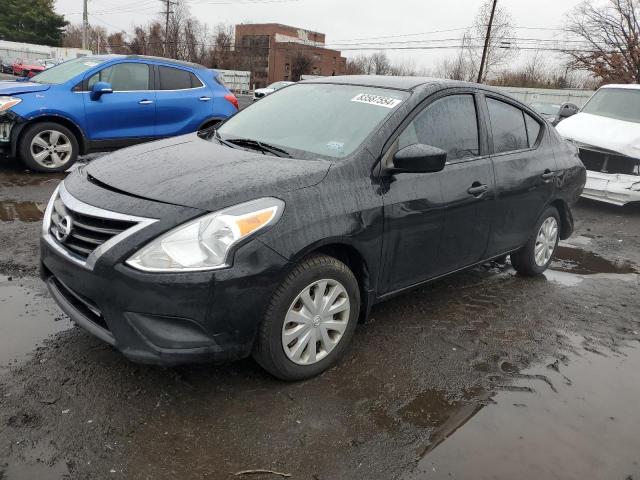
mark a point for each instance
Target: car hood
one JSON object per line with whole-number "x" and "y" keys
{"x": 13, "y": 87}
{"x": 198, "y": 173}
{"x": 603, "y": 132}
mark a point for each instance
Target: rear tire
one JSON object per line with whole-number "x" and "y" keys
{"x": 536, "y": 255}
{"x": 48, "y": 147}
{"x": 310, "y": 320}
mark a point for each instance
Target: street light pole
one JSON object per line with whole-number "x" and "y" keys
{"x": 486, "y": 42}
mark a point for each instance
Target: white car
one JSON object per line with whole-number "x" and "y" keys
{"x": 607, "y": 132}
{"x": 263, "y": 92}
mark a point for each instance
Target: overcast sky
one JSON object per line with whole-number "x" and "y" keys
{"x": 341, "y": 20}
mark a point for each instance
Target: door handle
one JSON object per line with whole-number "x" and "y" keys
{"x": 205, "y": 99}
{"x": 145, "y": 102}
{"x": 548, "y": 175}
{"x": 477, "y": 189}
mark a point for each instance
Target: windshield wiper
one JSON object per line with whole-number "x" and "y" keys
{"x": 255, "y": 144}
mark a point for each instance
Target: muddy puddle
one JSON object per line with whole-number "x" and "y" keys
{"x": 27, "y": 317}
{"x": 11, "y": 210}
{"x": 574, "y": 417}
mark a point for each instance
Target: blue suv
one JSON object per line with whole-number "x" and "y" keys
{"x": 101, "y": 103}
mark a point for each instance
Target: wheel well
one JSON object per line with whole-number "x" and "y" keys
{"x": 62, "y": 121}
{"x": 566, "y": 220}
{"x": 352, "y": 258}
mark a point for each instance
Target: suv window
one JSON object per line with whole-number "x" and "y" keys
{"x": 508, "y": 127}
{"x": 533, "y": 129}
{"x": 449, "y": 123}
{"x": 177, "y": 79}
{"x": 123, "y": 77}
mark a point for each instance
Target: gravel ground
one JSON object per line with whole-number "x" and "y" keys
{"x": 474, "y": 376}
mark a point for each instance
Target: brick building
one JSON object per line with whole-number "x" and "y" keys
{"x": 274, "y": 52}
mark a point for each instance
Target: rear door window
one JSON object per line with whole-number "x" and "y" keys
{"x": 449, "y": 123}
{"x": 507, "y": 126}
{"x": 123, "y": 77}
{"x": 177, "y": 79}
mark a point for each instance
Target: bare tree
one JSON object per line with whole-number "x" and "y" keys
{"x": 301, "y": 64}
{"x": 97, "y": 38}
{"x": 222, "y": 53}
{"x": 497, "y": 49}
{"x": 612, "y": 34}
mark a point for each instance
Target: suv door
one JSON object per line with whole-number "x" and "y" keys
{"x": 524, "y": 166}
{"x": 184, "y": 101}
{"x": 434, "y": 223}
{"x": 128, "y": 112}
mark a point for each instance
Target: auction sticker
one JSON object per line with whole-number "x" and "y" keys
{"x": 379, "y": 100}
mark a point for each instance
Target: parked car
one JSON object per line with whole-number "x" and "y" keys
{"x": 274, "y": 234}
{"x": 106, "y": 102}
{"x": 26, "y": 68}
{"x": 607, "y": 131}
{"x": 5, "y": 66}
{"x": 263, "y": 92}
{"x": 555, "y": 113}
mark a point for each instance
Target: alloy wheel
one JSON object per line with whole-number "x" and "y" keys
{"x": 51, "y": 148}
{"x": 546, "y": 241}
{"x": 316, "y": 322}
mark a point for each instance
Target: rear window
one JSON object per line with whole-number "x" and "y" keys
{"x": 508, "y": 126}
{"x": 177, "y": 79}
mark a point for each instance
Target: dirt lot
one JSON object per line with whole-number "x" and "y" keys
{"x": 485, "y": 374}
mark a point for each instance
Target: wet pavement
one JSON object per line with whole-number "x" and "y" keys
{"x": 484, "y": 374}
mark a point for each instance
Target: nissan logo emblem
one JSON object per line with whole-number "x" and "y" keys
{"x": 63, "y": 228}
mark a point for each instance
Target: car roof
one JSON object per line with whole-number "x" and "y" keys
{"x": 397, "y": 82}
{"x": 170, "y": 61}
{"x": 631, "y": 86}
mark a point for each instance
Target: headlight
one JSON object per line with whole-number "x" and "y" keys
{"x": 635, "y": 187}
{"x": 7, "y": 102}
{"x": 206, "y": 242}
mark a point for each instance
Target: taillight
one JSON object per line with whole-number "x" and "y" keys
{"x": 231, "y": 98}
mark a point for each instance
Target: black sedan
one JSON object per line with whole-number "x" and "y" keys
{"x": 275, "y": 234}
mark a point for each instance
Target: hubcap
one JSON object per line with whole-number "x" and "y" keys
{"x": 546, "y": 241}
{"x": 51, "y": 148}
{"x": 315, "y": 322}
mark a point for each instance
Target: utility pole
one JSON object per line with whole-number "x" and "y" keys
{"x": 85, "y": 24}
{"x": 167, "y": 12}
{"x": 486, "y": 42}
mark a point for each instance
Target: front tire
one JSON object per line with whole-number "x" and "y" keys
{"x": 48, "y": 147}
{"x": 535, "y": 257}
{"x": 310, "y": 320}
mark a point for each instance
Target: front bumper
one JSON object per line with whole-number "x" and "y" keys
{"x": 612, "y": 188}
{"x": 163, "y": 318}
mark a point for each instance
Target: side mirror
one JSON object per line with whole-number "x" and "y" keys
{"x": 418, "y": 158}
{"x": 567, "y": 110}
{"x": 99, "y": 89}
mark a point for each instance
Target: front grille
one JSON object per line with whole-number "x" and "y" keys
{"x": 606, "y": 162}
{"x": 80, "y": 233}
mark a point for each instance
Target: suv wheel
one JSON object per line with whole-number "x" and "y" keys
{"x": 536, "y": 255}
{"x": 310, "y": 319}
{"x": 48, "y": 147}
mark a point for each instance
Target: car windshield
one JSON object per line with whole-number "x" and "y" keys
{"x": 315, "y": 119}
{"x": 67, "y": 70}
{"x": 618, "y": 103}
{"x": 546, "y": 108}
